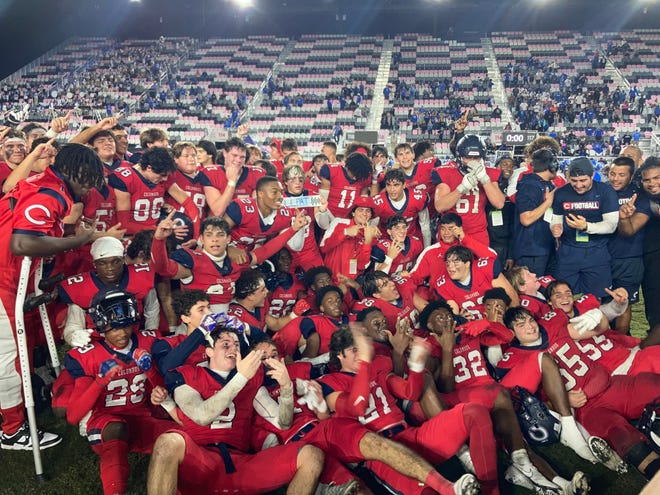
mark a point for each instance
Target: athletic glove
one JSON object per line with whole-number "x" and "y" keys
{"x": 109, "y": 369}
{"x": 468, "y": 184}
{"x": 476, "y": 327}
{"x": 588, "y": 321}
{"x": 79, "y": 338}
{"x": 300, "y": 308}
{"x": 479, "y": 171}
{"x": 142, "y": 358}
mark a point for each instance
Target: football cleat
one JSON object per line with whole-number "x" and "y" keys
{"x": 579, "y": 485}
{"x": 649, "y": 424}
{"x": 516, "y": 476}
{"x": 349, "y": 488}
{"x": 606, "y": 455}
{"x": 466, "y": 485}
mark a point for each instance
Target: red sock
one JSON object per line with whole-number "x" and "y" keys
{"x": 114, "y": 466}
{"x": 439, "y": 483}
{"x": 482, "y": 445}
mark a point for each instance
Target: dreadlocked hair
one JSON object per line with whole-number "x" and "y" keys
{"x": 80, "y": 164}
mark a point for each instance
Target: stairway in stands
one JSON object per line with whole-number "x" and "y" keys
{"x": 378, "y": 102}
{"x": 499, "y": 95}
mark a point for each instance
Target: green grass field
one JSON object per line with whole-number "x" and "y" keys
{"x": 72, "y": 468}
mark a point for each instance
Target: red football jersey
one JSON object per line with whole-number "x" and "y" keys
{"x": 247, "y": 182}
{"x": 194, "y": 188}
{"x": 128, "y": 391}
{"x": 284, "y": 296}
{"x": 402, "y": 308}
{"x": 147, "y": 198}
{"x": 575, "y": 367}
{"x": 216, "y": 280}
{"x": 231, "y": 426}
{"x": 36, "y": 206}
{"x": 101, "y": 204}
{"x": 471, "y": 206}
{"x": 287, "y": 338}
{"x": 343, "y": 190}
{"x": 468, "y": 298}
{"x": 536, "y": 305}
{"x": 382, "y": 411}
{"x": 415, "y": 201}
{"x": 249, "y": 230}
{"x": 405, "y": 260}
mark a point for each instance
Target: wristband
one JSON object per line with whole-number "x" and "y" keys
{"x": 388, "y": 260}
{"x": 231, "y": 183}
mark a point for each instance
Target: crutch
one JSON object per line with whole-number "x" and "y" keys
{"x": 24, "y": 359}
{"x": 45, "y": 321}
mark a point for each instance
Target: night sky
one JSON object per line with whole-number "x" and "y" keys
{"x": 32, "y": 27}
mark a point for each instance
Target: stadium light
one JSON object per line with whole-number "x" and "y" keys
{"x": 244, "y": 4}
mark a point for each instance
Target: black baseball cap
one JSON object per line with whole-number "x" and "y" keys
{"x": 580, "y": 166}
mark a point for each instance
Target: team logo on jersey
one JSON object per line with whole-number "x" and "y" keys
{"x": 581, "y": 205}
{"x": 31, "y": 219}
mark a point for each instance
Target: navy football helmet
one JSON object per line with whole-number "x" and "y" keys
{"x": 538, "y": 425}
{"x": 115, "y": 308}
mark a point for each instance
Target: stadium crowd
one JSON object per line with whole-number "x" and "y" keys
{"x": 295, "y": 317}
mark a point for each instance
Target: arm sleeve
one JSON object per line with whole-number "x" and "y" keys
{"x": 151, "y": 310}
{"x": 606, "y": 226}
{"x": 204, "y": 412}
{"x": 425, "y": 225}
{"x": 168, "y": 358}
{"x": 278, "y": 413}
{"x": 75, "y": 320}
{"x": 324, "y": 219}
{"x": 355, "y": 403}
{"x": 162, "y": 263}
{"x": 613, "y": 309}
{"x": 86, "y": 392}
{"x": 297, "y": 241}
{"x": 407, "y": 389}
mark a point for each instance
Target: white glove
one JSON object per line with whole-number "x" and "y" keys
{"x": 79, "y": 338}
{"x": 479, "y": 171}
{"x": 309, "y": 397}
{"x": 417, "y": 358}
{"x": 468, "y": 184}
{"x": 588, "y": 321}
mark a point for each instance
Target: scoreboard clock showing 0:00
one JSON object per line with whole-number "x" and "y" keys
{"x": 518, "y": 138}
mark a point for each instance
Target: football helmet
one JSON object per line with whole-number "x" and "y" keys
{"x": 649, "y": 424}
{"x": 114, "y": 308}
{"x": 538, "y": 425}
